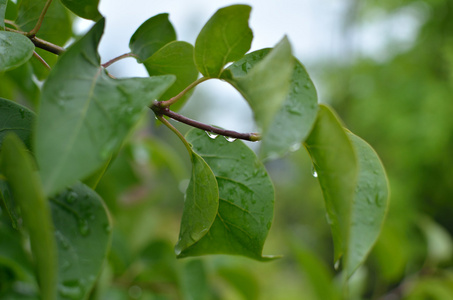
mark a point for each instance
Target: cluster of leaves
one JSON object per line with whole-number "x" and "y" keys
{"x": 53, "y": 155}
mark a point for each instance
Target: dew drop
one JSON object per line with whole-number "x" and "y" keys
{"x": 337, "y": 265}
{"x": 307, "y": 86}
{"x": 22, "y": 113}
{"x": 295, "y": 147}
{"x": 70, "y": 289}
{"x": 212, "y": 135}
{"x": 71, "y": 197}
{"x": 313, "y": 172}
{"x": 84, "y": 229}
{"x": 135, "y": 292}
{"x": 107, "y": 228}
{"x": 229, "y": 139}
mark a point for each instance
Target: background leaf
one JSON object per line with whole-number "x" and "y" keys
{"x": 82, "y": 233}
{"x": 152, "y": 35}
{"x": 263, "y": 80}
{"x": 226, "y": 37}
{"x": 3, "y": 4}
{"x": 87, "y": 9}
{"x": 15, "y": 50}
{"x": 246, "y": 202}
{"x": 16, "y": 164}
{"x": 15, "y": 118}
{"x": 370, "y": 204}
{"x": 82, "y": 123}
{"x": 200, "y": 205}
{"x": 174, "y": 58}
{"x": 335, "y": 164}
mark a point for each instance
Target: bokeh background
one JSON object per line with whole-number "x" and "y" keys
{"x": 386, "y": 67}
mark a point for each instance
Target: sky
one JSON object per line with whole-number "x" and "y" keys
{"x": 315, "y": 28}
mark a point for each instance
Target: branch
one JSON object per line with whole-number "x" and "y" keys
{"x": 114, "y": 60}
{"x": 175, "y": 99}
{"x": 159, "y": 110}
{"x": 40, "y": 43}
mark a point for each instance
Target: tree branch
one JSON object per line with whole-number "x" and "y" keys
{"x": 159, "y": 110}
{"x": 40, "y": 43}
{"x": 114, "y": 60}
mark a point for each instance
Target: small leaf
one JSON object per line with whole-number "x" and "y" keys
{"x": 15, "y": 118}
{"x": 294, "y": 120}
{"x": 87, "y": 9}
{"x": 85, "y": 114}
{"x": 226, "y": 37}
{"x": 152, "y": 35}
{"x": 174, "y": 58}
{"x": 370, "y": 204}
{"x": 263, "y": 80}
{"x": 15, "y": 50}
{"x": 56, "y": 26}
{"x": 194, "y": 281}
{"x": 17, "y": 166}
{"x": 3, "y": 4}
{"x": 246, "y": 199}
{"x": 335, "y": 163}
{"x": 81, "y": 221}
{"x": 200, "y": 205}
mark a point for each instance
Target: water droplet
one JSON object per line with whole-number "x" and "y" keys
{"x": 107, "y": 228}
{"x": 336, "y": 265}
{"x": 71, "y": 197}
{"x": 84, "y": 229}
{"x": 329, "y": 220}
{"x": 313, "y": 172}
{"x": 229, "y": 139}
{"x": 63, "y": 241}
{"x": 135, "y": 292}
{"x": 183, "y": 184}
{"x": 295, "y": 147}
{"x": 307, "y": 86}
{"x": 212, "y": 135}
{"x": 70, "y": 289}
{"x": 22, "y": 113}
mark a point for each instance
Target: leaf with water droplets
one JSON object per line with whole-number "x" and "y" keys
{"x": 246, "y": 199}
{"x": 15, "y": 118}
{"x": 226, "y": 37}
{"x": 18, "y": 167}
{"x": 80, "y": 219}
{"x": 370, "y": 204}
{"x": 200, "y": 205}
{"x": 263, "y": 78}
{"x": 85, "y": 115}
{"x": 335, "y": 164}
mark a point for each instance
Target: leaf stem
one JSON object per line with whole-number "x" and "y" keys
{"x": 176, "y": 131}
{"x": 9, "y": 22}
{"x": 40, "y": 43}
{"x": 35, "y": 30}
{"x": 174, "y": 99}
{"x": 159, "y": 110}
{"x": 41, "y": 60}
{"x": 114, "y": 60}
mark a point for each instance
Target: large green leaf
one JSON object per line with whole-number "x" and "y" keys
{"x": 15, "y": 118}
{"x": 335, "y": 164}
{"x": 226, "y": 37}
{"x": 246, "y": 204}
{"x": 17, "y": 166}
{"x": 263, "y": 80}
{"x": 57, "y": 25}
{"x": 82, "y": 232}
{"x": 369, "y": 206}
{"x": 174, "y": 58}
{"x": 85, "y": 114}
{"x": 152, "y": 35}
{"x": 200, "y": 205}
{"x": 15, "y": 50}
{"x": 87, "y": 9}
{"x": 3, "y": 4}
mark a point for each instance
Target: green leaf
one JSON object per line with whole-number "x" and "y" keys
{"x": 3, "y": 4}
{"x": 200, "y": 205}
{"x": 85, "y": 114}
{"x": 174, "y": 58}
{"x": 294, "y": 120}
{"x": 152, "y": 35}
{"x": 241, "y": 279}
{"x": 87, "y": 9}
{"x": 83, "y": 231}
{"x": 263, "y": 80}
{"x": 15, "y": 50}
{"x": 370, "y": 204}
{"x": 335, "y": 164}
{"x": 56, "y": 26}
{"x": 246, "y": 199}
{"x": 194, "y": 281}
{"x": 226, "y": 37}
{"x": 15, "y": 118}
{"x": 17, "y": 166}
